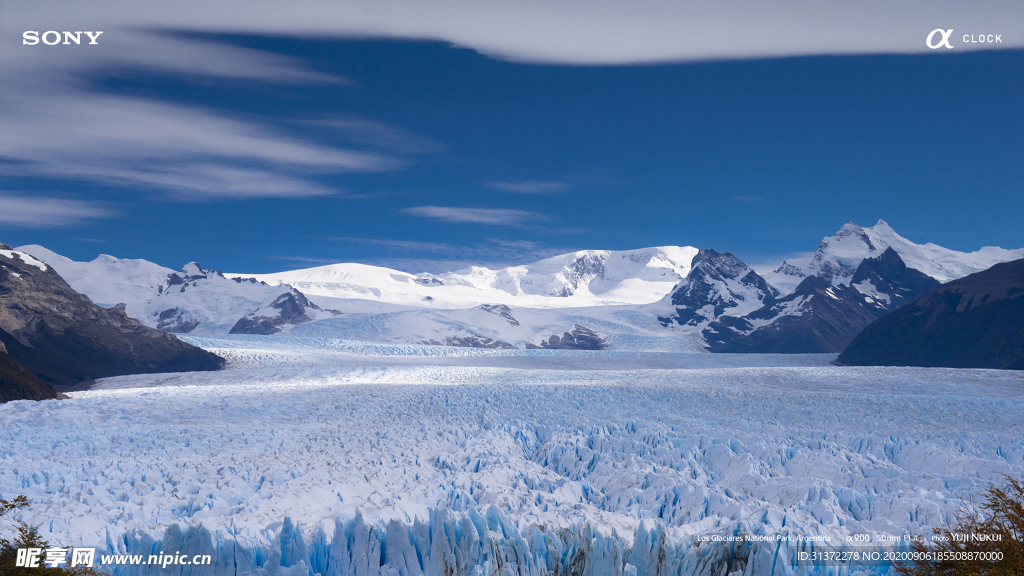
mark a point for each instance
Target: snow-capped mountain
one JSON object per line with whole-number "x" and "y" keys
{"x": 287, "y": 310}
{"x": 106, "y": 280}
{"x": 663, "y": 298}
{"x": 816, "y": 317}
{"x": 193, "y": 300}
{"x": 839, "y": 255}
{"x": 819, "y": 316}
{"x": 888, "y": 282}
{"x": 585, "y": 278}
{"x": 717, "y": 284}
{"x": 64, "y": 338}
{"x": 202, "y": 301}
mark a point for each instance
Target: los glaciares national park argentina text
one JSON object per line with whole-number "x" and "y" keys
{"x": 456, "y": 288}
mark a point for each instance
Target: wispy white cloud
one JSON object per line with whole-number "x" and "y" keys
{"x": 381, "y": 135}
{"x": 172, "y": 148}
{"x": 493, "y": 216}
{"x": 304, "y": 260}
{"x": 19, "y": 211}
{"x": 562, "y": 31}
{"x": 56, "y": 124}
{"x": 409, "y": 245}
{"x": 530, "y": 187}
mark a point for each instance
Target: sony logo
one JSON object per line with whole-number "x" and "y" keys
{"x": 51, "y": 37}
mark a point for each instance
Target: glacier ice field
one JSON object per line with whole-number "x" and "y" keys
{"x": 322, "y": 456}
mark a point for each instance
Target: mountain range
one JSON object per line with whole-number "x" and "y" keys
{"x": 62, "y": 338}
{"x": 819, "y": 316}
{"x": 654, "y": 298}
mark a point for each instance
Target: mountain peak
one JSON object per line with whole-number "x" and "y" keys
{"x": 849, "y": 228}
{"x": 838, "y": 257}
{"x": 193, "y": 269}
{"x": 716, "y": 284}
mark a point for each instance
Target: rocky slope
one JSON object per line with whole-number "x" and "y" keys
{"x": 17, "y": 383}
{"x": 63, "y": 338}
{"x": 974, "y": 322}
{"x": 717, "y": 284}
{"x": 816, "y": 317}
{"x": 819, "y": 316}
{"x": 203, "y": 301}
{"x": 287, "y": 310}
{"x": 579, "y": 338}
{"x": 888, "y": 282}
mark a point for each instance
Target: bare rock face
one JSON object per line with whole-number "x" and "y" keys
{"x": 500, "y": 310}
{"x": 63, "y": 338}
{"x": 470, "y": 341}
{"x": 819, "y": 317}
{"x": 716, "y": 283}
{"x": 289, "y": 309}
{"x": 580, "y": 338}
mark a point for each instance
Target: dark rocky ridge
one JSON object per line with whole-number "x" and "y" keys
{"x": 580, "y": 338}
{"x": 63, "y": 338}
{"x": 290, "y": 309}
{"x": 471, "y": 341}
{"x": 500, "y": 310}
{"x": 829, "y": 317}
{"x": 818, "y": 317}
{"x": 706, "y": 285}
{"x": 974, "y": 322}
{"x": 891, "y": 276}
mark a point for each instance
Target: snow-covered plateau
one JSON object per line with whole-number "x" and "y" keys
{"x": 315, "y": 455}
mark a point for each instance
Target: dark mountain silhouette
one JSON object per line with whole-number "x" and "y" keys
{"x": 974, "y": 322}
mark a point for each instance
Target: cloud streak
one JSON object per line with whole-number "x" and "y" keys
{"x": 382, "y": 136}
{"x": 57, "y": 125}
{"x": 530, "y": 187}
{"x": 183, "y": 151}
{"x": 491, "y": 216}
{"x": 19, "y": 211}
{"x": 561, "y": 31}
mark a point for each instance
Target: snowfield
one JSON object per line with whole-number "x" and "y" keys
{"x": 313, "y": 455}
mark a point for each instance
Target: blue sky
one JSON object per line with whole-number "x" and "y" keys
{"x": 424, "y": 156}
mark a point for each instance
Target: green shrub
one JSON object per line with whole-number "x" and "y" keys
{"x": 28, "y": 537}
{"x": 1003, "y": 516}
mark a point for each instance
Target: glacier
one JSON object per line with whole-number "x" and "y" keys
{"x": 312, "y": 455}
